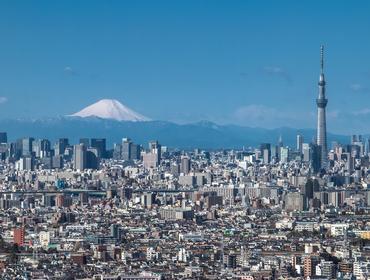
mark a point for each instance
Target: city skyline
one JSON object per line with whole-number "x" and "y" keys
{"x": 197, "y": 139}
{"x": 200, "y": 61}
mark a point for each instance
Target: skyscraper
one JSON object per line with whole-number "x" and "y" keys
{"x": 3, "y": 137}
{"x": 79, "y": 155}
{"x": 60, "y": 146}
{"x": 85, "y": 141}
{"x": 152, "y": 159}
{"x": 126, "y": 148}
{"x": 100, "y": 145}
{"x": 92, "y": 158}
{"x": 321, "y": 102}
{"x": 185, "y": 165}
{"x": 299, "y": 143}
{"x": 27, "y": 146}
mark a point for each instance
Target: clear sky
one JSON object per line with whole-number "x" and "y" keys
{"x": 251, "y": 63}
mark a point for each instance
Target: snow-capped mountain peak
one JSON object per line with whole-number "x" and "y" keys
{"x": 110, "y": 109}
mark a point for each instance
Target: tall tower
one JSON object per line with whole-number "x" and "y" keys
{"x": 321, "y": 102}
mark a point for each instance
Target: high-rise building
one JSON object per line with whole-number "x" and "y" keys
{"x": 152, "y": 159}
{"x": 129, "y": 150}
{"x": 41, "y": 148}
{"x": 19, "y": 236}
{"x": 25, "y": 163}
{"x": 284, "y": 154}
{"x": 92, "y": 158}
{"x": 3, "y": 137}
{"x": 185, "y": 165}
{"x": 265, "y": 149}
{"x": 85, "y": 141}
{"x": 321, "y": 102}
{"x": 306, "y": 151}
{"x": 117, "y": 151}
{"x": 316, "y": 157}
{"x": 299, "y": 143}
{"x": 79, "y": 156}
{"x": 126, "y": 148}
{"x": 60, "y": 146}
{"x": 27, "y": 146}
{"x": 57, "y": 162}
{"x": 100, "y": 145}
{"x": 135, "y": 151}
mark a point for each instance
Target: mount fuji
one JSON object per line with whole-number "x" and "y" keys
{"x": 110, "y": 109}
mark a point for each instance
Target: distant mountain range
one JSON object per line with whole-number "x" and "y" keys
{"x": 110, "y": 119}
{"x": 206, "y": 135}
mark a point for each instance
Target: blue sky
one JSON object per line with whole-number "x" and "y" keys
{"x": 251, "y": 63}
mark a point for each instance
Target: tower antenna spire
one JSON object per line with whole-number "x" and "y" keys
{"x": 322, "y": 59}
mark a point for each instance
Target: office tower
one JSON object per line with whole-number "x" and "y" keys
{"x": 19, "y": 236}
{"x": 306, "y": 151}
{"x": 117, "y": 151}
{"x": 41, "y": 148}
{"x": 135, "y": 151}
{"x": 321, "y": 102}
{"x": 100, "y": 145}
{"x": 3, "y": 137}
{"x": 126, "y": 148}
{"x": 29, "y": 163}
{"x": 175, "y": 169}
{"x": 27, "y": 146}
{"x": 155, "y": 148}
{"x": 274, "y": 153}
{"x": 299, "y": 143}
{"x": 185, "y": 165}
{"x": 46, "y": 162}
{"x": 284, "y": 154}
{"x": 316, "y": 158}
{"x": 57, "y": 162}
{"x": 92, "y": 158}
{"x": 358, "y": 146}
{"x": 152, "y": 159}
{"x": 15, "y": 149}
{"x": 25, "y": 163}
{"x": 85, "y": 141}
{"x": 265, "y": 149}
{"x": 60, "y": 146}
{"x": 279, "y": 146}
{"x": 79, "y": 157}
{"x": 308, "y": 190}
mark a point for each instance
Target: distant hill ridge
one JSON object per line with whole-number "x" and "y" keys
{"x": 204, "y": 134}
